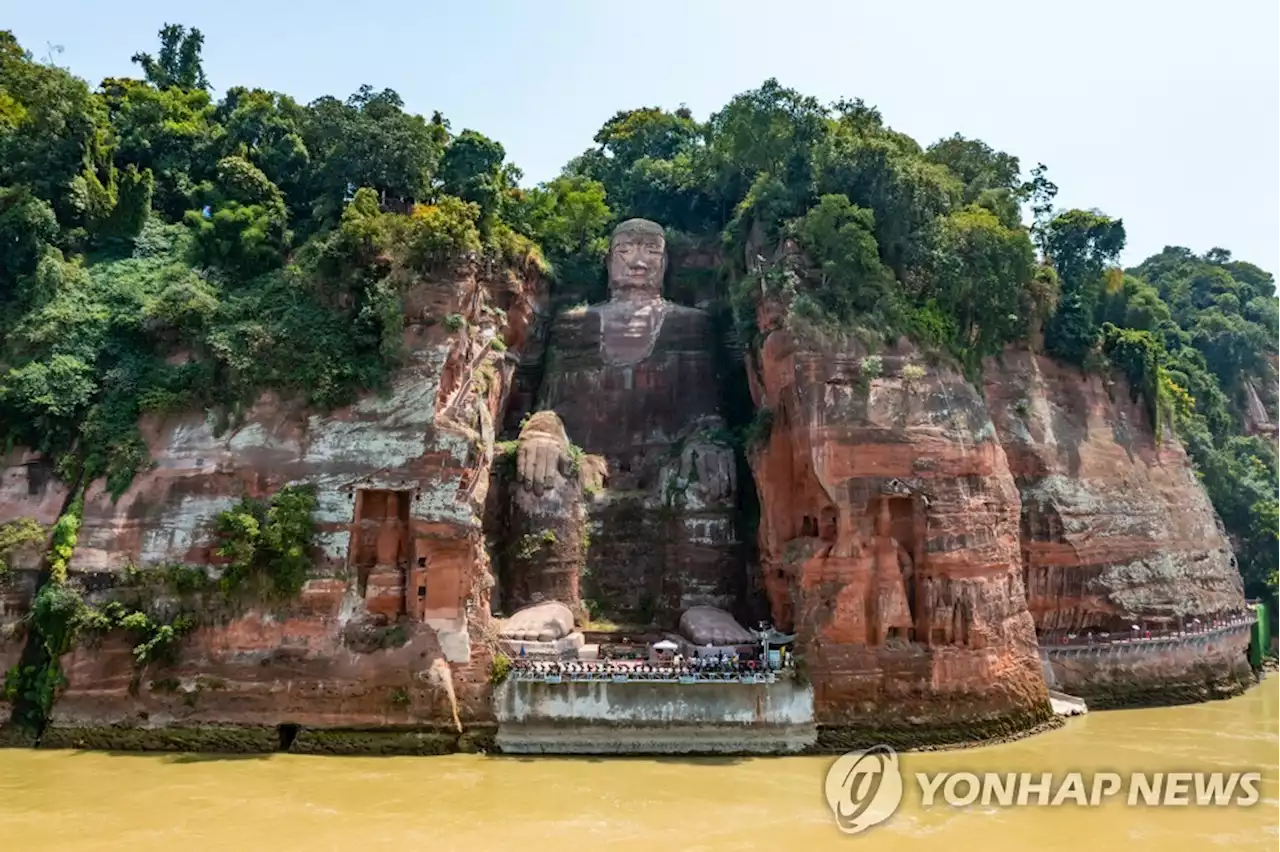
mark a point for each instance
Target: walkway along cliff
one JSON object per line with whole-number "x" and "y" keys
{"x": 915, "y": 532}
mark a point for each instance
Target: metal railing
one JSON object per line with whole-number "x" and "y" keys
{"x": 1063, "y": 639}
{"x": 749, "y": 672}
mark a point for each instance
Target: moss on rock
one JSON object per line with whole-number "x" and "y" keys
{"x": 415, "y": 741}
{"x": 837, "y": 739}
{"x": 215, "y": 740}
{"x": 1132, "y": 694}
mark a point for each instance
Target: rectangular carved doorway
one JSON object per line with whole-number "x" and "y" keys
{"x": 380, "y": 549}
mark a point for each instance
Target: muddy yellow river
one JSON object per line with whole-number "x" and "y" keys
{"x": 94, "y": 801}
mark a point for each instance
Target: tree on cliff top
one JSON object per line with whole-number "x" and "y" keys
{"x": 179, "y": 64}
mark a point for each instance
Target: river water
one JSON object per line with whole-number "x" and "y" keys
{"x": 77, "y": 801}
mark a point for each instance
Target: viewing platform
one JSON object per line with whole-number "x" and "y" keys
{"x": 633, "y": 672}
{"x": 700, "y": 706}
{"x": 730, "y": 713}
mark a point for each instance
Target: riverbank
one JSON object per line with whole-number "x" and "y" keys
{"x": 483, "y": 738}
{"x": 93, "y": 801}
{"x": 425, "y": 741}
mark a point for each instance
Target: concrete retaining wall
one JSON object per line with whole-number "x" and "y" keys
{"x": 653, "y": 718}
{"x": 1156, "y": 671}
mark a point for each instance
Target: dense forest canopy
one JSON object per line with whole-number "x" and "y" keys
{"x": 161, "y": 249}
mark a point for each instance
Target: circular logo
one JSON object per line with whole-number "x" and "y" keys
{"x": 864, "y": 788}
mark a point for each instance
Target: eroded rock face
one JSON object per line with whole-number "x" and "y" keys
{"x": 889, "y": 539}
{"x": 401, "y": 579}
{"x": 1116, "y": 530}
{"x": 28, "y": 490}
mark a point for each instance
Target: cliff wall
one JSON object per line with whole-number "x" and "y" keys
{"x": 28, "y": 490}
{"x": 914, "y": 532}
{"x": 1115, "y": 526}
{"x": 889, "y": 542}
{"x": 393, "y": 622}
{"x": 1116, "y": 529}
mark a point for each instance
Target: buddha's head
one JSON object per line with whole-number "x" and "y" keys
{"x": 637, "y": 260}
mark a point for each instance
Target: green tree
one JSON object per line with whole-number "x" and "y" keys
{"x": 840, "y": 237}
{"x": 55, "y": 139}
{"x": 1080, "y": 244}
{"x": 984, "y": 280}
{"x": 42, "y": 399}
{"x": 244, "y": 227}
{"x": 569, "y": 218}
{"x": 173, "y": 133}
{"x": 652, "y": 165}
{"x": 990, "y": 177}
{"x": 369, "y": 141}
{"x": 179, "y": 64}
{"x": 771, "y": 130}
{"x": 266, "y": 129}
{"x": 28, "y": 227}
{"x": 471, "y": 169}
{"x": 884, "y": 173}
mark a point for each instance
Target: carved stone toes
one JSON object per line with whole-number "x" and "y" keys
{"x": 710, "y": 625}
{"x": 544, "y": 622}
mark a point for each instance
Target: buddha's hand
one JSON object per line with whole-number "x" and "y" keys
{"x": 710, "y": 470}
{"x": 543, "y": 452}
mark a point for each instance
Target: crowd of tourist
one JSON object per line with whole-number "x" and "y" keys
{"x": 719, "y": 667}
{"x": 1138, "y": 632}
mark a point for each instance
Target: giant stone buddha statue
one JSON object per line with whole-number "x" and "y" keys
{"x": 634, "y": 383}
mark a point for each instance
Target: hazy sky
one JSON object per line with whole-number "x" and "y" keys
{"x": 1164, "y": 113}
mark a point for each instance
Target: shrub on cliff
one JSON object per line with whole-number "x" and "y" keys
{"x": 15, "y": 534}
{"x": 268, "y": 542}
{"x": 499, "y": 669}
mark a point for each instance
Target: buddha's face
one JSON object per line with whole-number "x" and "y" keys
{"x": 637, "y": 262}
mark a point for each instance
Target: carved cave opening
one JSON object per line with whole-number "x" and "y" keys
{"x": 380, "y": 539}
{"x": 39, "y": 472}
{"x": 897, "y": 524}
{"x": 828, "y": 527}
{"x": 285, "y": 735}
{"x": 643, "y": 567}
{"x": 1042, "y": 523}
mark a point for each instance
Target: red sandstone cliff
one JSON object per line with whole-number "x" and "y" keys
{"x": 1116, "y": 530}
{"x": 917, "y": 618}
{"x": 889, "y": 535}
{"x": 28, "y": 490}
{"x": 401, "y": 578}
